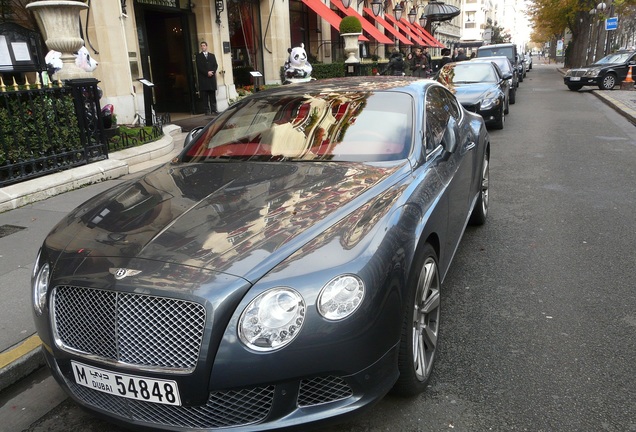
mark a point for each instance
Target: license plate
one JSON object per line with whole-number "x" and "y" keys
{"x": 129, "y": 386}
{"x": 575, "y": 78}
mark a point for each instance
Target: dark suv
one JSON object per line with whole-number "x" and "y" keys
{"x": 605, "y": 73}
{"x": 503, "y": 49}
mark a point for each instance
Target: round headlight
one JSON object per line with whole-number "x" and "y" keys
{"x": 272, "y": 320}
{"x": 340, "y": 297}
{"x": 40, "y": 288}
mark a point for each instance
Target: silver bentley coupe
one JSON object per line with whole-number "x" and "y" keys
{"x": 283, "y": 271}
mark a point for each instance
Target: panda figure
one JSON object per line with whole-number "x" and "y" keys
{"x": 84, "y": 61}
{"x": 296, "y": 68}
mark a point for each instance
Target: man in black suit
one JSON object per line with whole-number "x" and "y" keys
{"x": 206, "y": 70}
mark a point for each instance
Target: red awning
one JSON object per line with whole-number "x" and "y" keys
{"x": 326, "y": 13}
{"x": 407, "y": 31}
{"x": 427, "y": 36}
{"x": 387, "y": 26}
{"x": 415, "y": 29}
{"x": 366, "y": 25}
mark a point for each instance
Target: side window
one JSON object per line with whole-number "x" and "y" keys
{"x": 441, "y": 105}
{"x": 436, "y": 117}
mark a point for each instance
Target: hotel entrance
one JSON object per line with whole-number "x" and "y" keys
{"x": 166, "y": 36}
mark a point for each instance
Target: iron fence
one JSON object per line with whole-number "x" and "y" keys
{"x": 49, "y": 129}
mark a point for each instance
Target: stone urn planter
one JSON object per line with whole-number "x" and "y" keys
{"x": 351, "y": 47}
{"x": 350, "y": 30}
{"x": 59, "y": 21}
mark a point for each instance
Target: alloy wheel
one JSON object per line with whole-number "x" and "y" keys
{"x": 426, "y": 314}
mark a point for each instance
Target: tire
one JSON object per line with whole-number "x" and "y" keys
{"x": 507, "y": 110}
{"x": 575, "y": 87}
{"x": 513, "y": 96}
{"x": 520, "y": 78}
{"x": 480, "y": 210}
{"x": 608, "y": 82}
{"x": 499, "y": 123}
{"x": 420, "y": 327}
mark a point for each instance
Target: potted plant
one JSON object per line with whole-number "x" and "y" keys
{"x": 350, "y": 29}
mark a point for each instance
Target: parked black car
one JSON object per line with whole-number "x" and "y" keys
{"x": 480, "y": 87}
{"x": 286, "y": 268}
{"x": 509, "y": 72}
{"x": 606, "y": 73}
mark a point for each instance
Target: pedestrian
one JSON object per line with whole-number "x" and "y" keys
{"x": 408, "y": 61}
{"x": 206, "y": 71}
{"x": 419, "y": 63}
{"x": 396, "y": 65}
{"x": 429, "y": 59}
{"x": 461, "y": 55}
{"x": 446, "y": 57}
{"x": 454, "y": 54}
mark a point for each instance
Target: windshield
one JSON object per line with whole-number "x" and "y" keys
{"x": 360, "y": 127}
{"x": 467, "y": 72}
{"x": 502, "y": 62}
{"x": 497, "y": 51}
{"x": 615, "y": 58}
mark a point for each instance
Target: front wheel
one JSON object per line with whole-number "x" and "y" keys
{"x": 575, "y": 87}
{"x": 608, "y": 82}
{"x": 480, "y": 210}
{"x": 501, "y": 119}
{"x": 420, "y": 327}
{"x": 513, "y": 96}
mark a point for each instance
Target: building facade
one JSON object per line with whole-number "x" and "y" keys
{"x": 148, "y": 47}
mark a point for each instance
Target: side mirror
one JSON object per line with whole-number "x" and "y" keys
{"x": 192, "y": 135}
{"x": 507, "y": 76}
{"x": 449, "y": 141}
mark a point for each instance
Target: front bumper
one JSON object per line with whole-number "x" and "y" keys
{"x": 271, "y": 406}
{"x": 584, "y": 81}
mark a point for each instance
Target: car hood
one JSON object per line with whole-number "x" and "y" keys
{"x": 472, "y": 93}
{"x": 227, "y": 217}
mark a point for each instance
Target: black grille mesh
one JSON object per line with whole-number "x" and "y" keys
{"x": 321, "y": 390}
{"x": 136, "y": 329}
{"x": 223, "y": 409}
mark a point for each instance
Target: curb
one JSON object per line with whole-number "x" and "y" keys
{"x": 20, "y": 360}
{"x": 117, "y": 165}
{"x": 618, "y": 106}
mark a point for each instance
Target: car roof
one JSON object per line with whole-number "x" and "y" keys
{"x": 497, "y": 45}
{"x": 412, "y": 85}
{"x": 486, "y": 60}
{"x": 489, "y": 57}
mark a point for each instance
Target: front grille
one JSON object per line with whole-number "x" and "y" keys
{"x": 321, "y": 390}
{"x": 141, "y": 330}
{"x": 577, "y": 72}
{"x": 223, "y": 409}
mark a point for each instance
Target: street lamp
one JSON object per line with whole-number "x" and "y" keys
{"x": 377, "y": 6}
{"x": 397, "y": 11}
{"x": 219, "y": 7}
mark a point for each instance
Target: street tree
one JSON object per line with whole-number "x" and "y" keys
{"x": 552, "y": 18}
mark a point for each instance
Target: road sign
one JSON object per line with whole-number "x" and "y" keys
{"x": 611, "y": 23}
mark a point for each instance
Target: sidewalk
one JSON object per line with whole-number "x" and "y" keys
{"x": 34, "y": 207}
{"x": 28, "y": 211}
